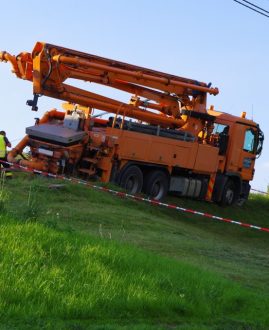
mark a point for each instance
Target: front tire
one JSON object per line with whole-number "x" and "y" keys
{"x": 229, "y": 194}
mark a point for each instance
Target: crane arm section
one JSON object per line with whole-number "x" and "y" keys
{"x": 22, "y": 65}
{"x": 49, "y": 66}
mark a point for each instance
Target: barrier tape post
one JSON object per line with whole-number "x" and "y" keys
{"x": 135, "y": 197}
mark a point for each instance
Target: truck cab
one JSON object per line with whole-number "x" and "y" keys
{"x": 240, "y": 142}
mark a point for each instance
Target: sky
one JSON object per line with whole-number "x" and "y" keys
{"x": 216, "y": 41}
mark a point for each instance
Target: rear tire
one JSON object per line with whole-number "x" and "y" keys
{"x": 156, "y": 185}
{"x": 132, "y": 179}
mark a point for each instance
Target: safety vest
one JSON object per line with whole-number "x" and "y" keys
{"x": 2, "y": 147}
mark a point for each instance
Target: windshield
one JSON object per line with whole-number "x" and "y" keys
{"x": 253, "y": 141}
{"x": 259, "y": 142}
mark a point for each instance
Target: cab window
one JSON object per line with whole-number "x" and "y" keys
{"x": 249, "y": 142}
{"x": 219, "y": 128}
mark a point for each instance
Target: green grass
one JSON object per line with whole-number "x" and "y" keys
{"x": 76, "y": 258}
{"x": 51, "y": 274}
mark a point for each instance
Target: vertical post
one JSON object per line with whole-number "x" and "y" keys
{"x": 210, "y": 187}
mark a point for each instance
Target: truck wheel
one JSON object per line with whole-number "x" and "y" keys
{"x": 132, "y": 179}
{"x": 156, "y": 185}
{"x": 229, "y": 195}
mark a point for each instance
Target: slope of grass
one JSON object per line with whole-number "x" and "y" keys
{"x": 58, "y": 275}
{"x": 233, "y": 251}
{"x": 53, "y": 269}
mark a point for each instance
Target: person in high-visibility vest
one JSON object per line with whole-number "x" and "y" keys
{"x": 4, "y": 143}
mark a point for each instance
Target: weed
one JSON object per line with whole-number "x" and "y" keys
{"x": 31, "y": 208}
{"x": 3, "y": 193}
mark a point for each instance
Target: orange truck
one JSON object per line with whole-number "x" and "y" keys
{"x": 163, "y": 139}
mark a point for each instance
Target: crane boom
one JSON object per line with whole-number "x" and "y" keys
{"x": 49, "y": 66}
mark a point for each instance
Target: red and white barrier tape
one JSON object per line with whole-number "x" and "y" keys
{"x": 259, "y": 191}
{"x": 135, "y": 197}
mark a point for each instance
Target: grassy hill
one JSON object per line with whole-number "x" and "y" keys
{"x": 76, "y": 258}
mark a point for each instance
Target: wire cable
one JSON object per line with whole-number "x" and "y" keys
{"x": 252, "y": 4}
{"x": 257, "y": 11}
